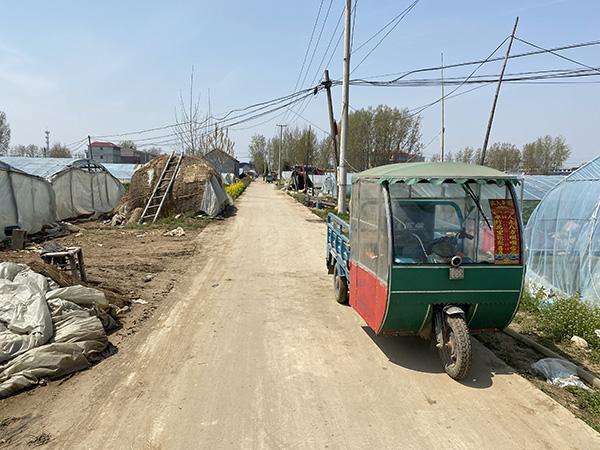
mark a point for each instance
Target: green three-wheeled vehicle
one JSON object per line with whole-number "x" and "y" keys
{"x": 432, "y": 249}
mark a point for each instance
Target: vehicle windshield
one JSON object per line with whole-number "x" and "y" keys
{"x": 433, "y": 223}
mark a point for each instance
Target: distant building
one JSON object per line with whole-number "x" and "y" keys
{"x": 130, "y": 156}
{"x": 223, "y": 162}
{"x": 107, "y": 152}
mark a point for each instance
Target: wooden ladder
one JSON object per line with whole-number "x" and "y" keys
{"x": 161, "y": 189}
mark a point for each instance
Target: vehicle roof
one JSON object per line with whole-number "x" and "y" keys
{"x": 428, "y": 171}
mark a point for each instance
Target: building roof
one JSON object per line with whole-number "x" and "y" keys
{"x": 222, "y": 152}
{"x": 104, "y": 144}
{"x": 433, "y": 172}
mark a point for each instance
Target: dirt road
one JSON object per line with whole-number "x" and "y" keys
{"x": 253, "y": 352}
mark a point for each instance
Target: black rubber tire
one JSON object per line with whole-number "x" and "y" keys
{"x": 457, "y": 363}
{"x": 340, "y": 287}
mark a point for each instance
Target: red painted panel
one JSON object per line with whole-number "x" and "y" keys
{"x": 368, "y": 296}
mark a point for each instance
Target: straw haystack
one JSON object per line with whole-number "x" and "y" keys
{"x": 197, "y": 188}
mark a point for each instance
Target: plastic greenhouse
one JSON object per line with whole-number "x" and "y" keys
{"x": 563, "y": 236}
{"x": 83, "y": 188}
{"x": 26, "y": 200}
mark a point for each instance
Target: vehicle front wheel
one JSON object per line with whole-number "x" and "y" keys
{"x": 340, "y": 286}
{"x": 456, "y": 352}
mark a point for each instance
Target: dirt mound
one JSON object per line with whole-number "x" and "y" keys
{"x": 187, "y": 192}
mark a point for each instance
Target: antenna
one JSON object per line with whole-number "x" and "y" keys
{"x": 443, "y": 112}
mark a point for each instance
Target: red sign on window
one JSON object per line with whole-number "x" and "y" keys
{"x": 507, "y": 243}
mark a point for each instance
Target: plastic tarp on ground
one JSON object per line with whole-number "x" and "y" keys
{"x": 215, "y": 198}
{"x": 81, "y": 191}
{"x": 25, "y": 200}
{"x": 46, "y": 332}
{"x": 563, "y": 236}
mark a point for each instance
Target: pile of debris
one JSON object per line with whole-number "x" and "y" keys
{"x": 48, "y": 331}
{"x": 197, "y": 189}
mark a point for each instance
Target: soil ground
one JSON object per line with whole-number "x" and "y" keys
{"x": 134, "y": 263}
{"x": 250, "y": 350}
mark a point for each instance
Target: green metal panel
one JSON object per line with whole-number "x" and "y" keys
{"x": 491, "y": 293}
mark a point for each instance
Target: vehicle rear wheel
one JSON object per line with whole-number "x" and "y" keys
{"x": 456, "y": 353}
{"x": 340, "y": 286}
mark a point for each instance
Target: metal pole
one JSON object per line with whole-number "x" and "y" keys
{"x": 89, "y": 147}
{"x": 443, "y": 116}
{"x": 332, "y": 123}
{"x": 281, "y": 127}
{"x": 493, "y": 111}
{"x": 47, "y": 149}
{"x": 341, "y": 178}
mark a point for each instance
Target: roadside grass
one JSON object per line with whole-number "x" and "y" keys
{"x": 552, "y": 321}
{"x": 588, "y": 402}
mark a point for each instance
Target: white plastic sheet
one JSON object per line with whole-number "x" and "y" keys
{"x": 46, "y": 333}
{"x": 25, "y": 200}
{"x": 215, "y": 198}
{"x": 79, "y": 192}
{"x": 559, "y": 372}
{"x": 563, "y": 236}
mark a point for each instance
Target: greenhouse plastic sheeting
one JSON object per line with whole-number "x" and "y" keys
{"x": 563, "y": 236}
{"x": 79, "y": 192}
{"x": 215, "y": 198}
{"x": 45, "y": 333}
{"x": 46, "y": 167}
{"x": 25, "y": 200}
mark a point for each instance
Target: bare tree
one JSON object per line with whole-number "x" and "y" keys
{"x": 218, "y": 139}
{"x": 189, "y": 130}
{"x": 26, "y": 150}
{"x": 4, "y": 134}
{"x": 59, "y": 150}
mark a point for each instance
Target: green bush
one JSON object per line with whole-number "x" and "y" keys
{"x": 566, "y": 317}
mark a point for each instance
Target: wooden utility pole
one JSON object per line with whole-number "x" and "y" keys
{"x": 281, "y": 127}
{"x": 341, "y": 176}
{"x": 495, "y": 102}
{"x": 332, "y": 122}
{"x": 443, "y": 112}
{"x": 89, "y": 147}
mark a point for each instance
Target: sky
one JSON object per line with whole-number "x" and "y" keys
{"x": 102, "y": 68}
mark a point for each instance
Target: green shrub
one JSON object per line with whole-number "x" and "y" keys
{"x": 566, "y": 317}
{"x": 532, "y": 303}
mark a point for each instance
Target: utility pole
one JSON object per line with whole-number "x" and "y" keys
{"x": 281, "y": 127}
{"x": 493, "y": 111}
{"x": 332, "y": 122}
{"x": 341, "y": 176}
{"x": 443, "y": 116}
{"x": 90, "y": 147}
{"x": 47, "y": 148}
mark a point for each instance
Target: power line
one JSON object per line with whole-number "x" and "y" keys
{"x": 312, "y": 35}
{"x": 399, "y": 19}
{"x": 401, "y": 75}
{"x": 381, "y": 30}
{"x": 557, "y": 54}
{"x": 464, "y": 81}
